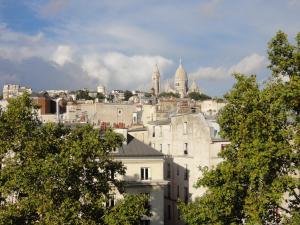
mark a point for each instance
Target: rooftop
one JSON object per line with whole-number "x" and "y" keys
{"x": 136, "y": 148}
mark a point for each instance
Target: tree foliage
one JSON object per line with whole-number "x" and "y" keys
{"x": 52, "y": 174}
{"x": 198, "y": 97}
{"x": 100, "y": 96}
{"x": 168, "y": 95}
{"x": 127, "y": 95}
{"x": 127, "y": 211}
{"x": 258, "y": 180}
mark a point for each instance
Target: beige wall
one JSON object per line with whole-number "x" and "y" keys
{"x": 202, "y": 151}
{"x": 154, "y": 186}
{"x": 211, "y": 107}
{"x": 95, "y": 113}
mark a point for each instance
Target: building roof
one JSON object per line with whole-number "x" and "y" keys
{"x": 136, "y": 148}
{"x": 134, "y": 129}
{"x": 161, "y": 122}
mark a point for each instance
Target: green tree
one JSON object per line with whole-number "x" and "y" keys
{"x": 148, "y": 95}
{"x": 127, "y": 95}
{"x": 198, "y": 97}
{"x": 128, "y": 211}
{"x": 52, "y": 174}
{"x": 100, "y": 96}
{"x": 83, "y": 95}
{"x": 262, "y": 160}
{"x": 168, "y": 95}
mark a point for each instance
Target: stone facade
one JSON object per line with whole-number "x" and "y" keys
{"x": 14, "y": 90}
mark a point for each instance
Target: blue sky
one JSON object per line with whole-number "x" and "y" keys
{"x": 72, "y": 44}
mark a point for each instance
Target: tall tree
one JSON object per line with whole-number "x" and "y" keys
{"x": 262, "y": 161}
{"x": 128, "y": 211}
{"x": 127, "y": 95}
{"x": 52, "y": 174}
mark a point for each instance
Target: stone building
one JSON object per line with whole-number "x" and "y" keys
{"x": 189, "y": 141}
{"x": 181, "y": 81}
{"x": 14, "y": 90}
{"x": 144, "y": 175}
{"x": 194, "y": 87}
{"x": 155, "y": 80}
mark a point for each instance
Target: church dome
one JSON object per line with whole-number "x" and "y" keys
{"x": 180, "y": 73}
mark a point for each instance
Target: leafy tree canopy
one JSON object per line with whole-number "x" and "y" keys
{"x": 83, "y": 95}
{"x": 257, "y": 181}
{"x": 127, "y": 95}
{"x": 100, "y": 96}
{"x": 168, "y": 95}
{"x": 127, "y": 211}
{"x": 52, "y": 174}
{"x": 198, "y": 97}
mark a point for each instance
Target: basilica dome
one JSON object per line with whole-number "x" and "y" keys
{"x": 180, "y": 73}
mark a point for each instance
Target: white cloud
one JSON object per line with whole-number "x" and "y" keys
{"x": 85, "y": 65}
{"x": 210, "y": 73}
{"x": 248, "y": 65}
{"x": 63, "y": 55}
{"x": 18, "y": 46}
{"x": 9, "y": 36}
{"x": 122, "y": 71}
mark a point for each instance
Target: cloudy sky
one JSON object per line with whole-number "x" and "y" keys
{"x": 72, "y": 44}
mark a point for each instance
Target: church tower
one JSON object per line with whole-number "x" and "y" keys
{"x": 155, "y": 80}
{"x": 181, "y": 81}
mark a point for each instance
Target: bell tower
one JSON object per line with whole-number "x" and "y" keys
{"x": 155, "y": 80}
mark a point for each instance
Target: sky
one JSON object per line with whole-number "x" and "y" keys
{"x": 75, "y": 44}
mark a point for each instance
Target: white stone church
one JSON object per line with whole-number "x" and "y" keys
{"x": 180, "y": 82}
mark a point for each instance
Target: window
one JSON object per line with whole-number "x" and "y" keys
{"x": 186, "y": 172}
{"x": 169, "y": 191}
{"x": 223, "y": 146}
{"x": 153, "y": 145}
{"x": 178, "y": 194}
{"x": 112, "y": 174}
{"x": 145, "y": 173}
{"x": 110, "y": 201}
{"x": 145, "y": 222}
{"x": 169, "y": 147}
{"x": 185, "y": 128}
{"x": 160, "y": 131}
{"x": 160, "y": 148}
{"x": 169, "y": 212}
{"x": 168, "y": 170}
{"x": 153, "y": 131}
{"x": 185, "y": 148}
{"x": 186, "y": 194}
